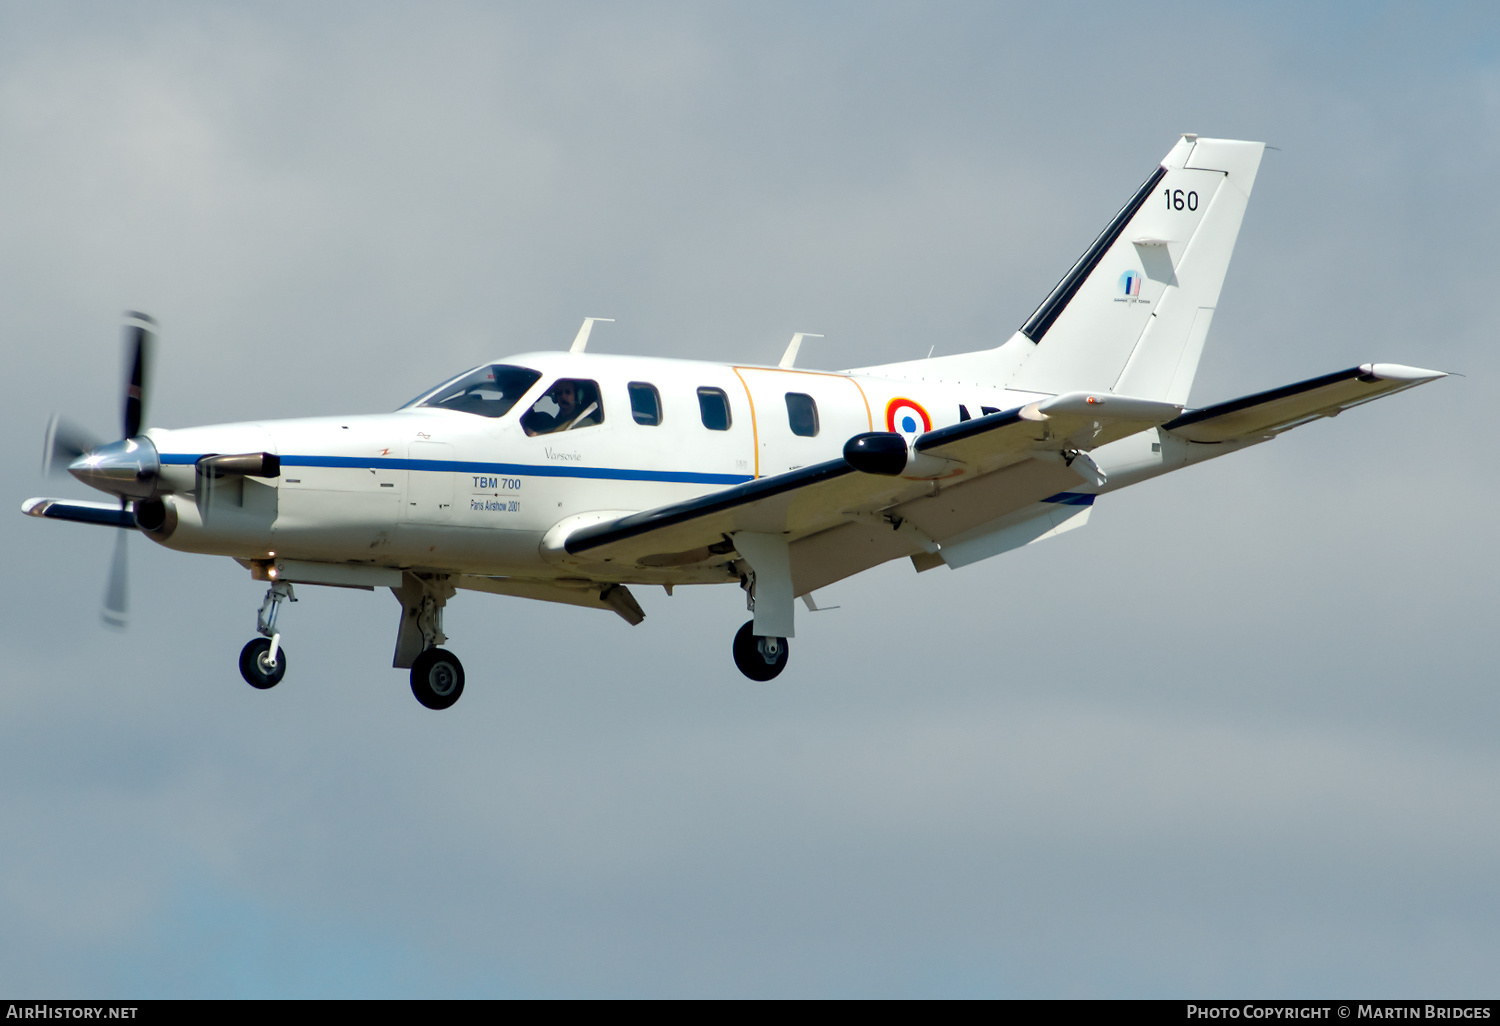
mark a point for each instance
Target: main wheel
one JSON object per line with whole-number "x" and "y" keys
{"x": 256, "y": 667}
{"x": 758, "y": 658}
{"x": 437, "y": 678}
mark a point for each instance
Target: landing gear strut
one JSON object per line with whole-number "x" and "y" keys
{"x": 766, "y": 575}
{"x": 757, "y": 657}
{"x": 263, "y": 660}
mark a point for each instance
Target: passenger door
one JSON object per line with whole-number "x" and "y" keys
{"x": 802, "y": 417}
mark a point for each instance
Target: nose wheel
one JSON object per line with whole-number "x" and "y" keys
{"x": 437, "y": 678}
{"x": 259, "y": 666}
{"x": 758, "y": 658}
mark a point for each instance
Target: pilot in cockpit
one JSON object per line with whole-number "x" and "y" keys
{"x": 568, "y": 404}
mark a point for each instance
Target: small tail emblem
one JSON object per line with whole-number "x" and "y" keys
{"x": 1130, "y": 283}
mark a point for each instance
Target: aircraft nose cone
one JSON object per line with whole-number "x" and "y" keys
{"x": 127, "y": 468}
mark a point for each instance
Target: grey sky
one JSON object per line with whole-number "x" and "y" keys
{"x": 1237, "y": 737}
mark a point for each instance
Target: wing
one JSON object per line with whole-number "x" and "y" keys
{"x": 839, "y": 519}
{"x": 1265, "y": 414}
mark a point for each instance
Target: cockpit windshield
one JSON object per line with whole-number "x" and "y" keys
{"x": 489, "y": 391}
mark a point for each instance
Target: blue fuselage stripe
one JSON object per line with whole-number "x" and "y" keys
{"x": 506, "y": 469}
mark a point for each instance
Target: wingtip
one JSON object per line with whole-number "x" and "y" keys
{"x": 1401, "y": 372}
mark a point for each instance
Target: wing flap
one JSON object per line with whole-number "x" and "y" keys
{"x": 1074, "y": 420}
{"x": 589, "y": 594}
{"x": 1281, "y": 409}
{"x": 822, "y": 559}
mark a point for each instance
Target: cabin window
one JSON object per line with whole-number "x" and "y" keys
{"x": 489, "y": 391}
{"x": 645, "y": 403}
{"x": 802, "y": 414}
{"x": 570, "y": 403}
{"x": 713, "y": 404}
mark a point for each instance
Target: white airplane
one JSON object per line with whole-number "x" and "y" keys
{"x": 569, "y": 476}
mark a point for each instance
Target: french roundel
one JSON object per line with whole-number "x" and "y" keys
{"x": 906, "y": 417}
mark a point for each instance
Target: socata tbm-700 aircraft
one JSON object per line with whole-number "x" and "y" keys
{"x": 569, "y": 476}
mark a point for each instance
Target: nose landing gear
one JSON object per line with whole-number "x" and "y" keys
{"x": 263, "y": 660}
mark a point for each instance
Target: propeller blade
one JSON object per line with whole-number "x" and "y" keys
{"x": 65, "y": 442}
{"x": 114, "y": 612}
{"x": 140, "y": 341}
{"x": 203, "y": 491}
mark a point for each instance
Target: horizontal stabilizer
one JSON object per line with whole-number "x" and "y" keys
{"x": 107, "y": 513}
{"x": 1281, "y": 409}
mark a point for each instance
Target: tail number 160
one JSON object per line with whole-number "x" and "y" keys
{"x": 1179, "y": 200}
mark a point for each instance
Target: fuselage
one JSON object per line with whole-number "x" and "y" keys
{"x": 451, "y": 490}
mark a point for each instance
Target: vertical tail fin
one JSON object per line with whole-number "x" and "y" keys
{"x": 1131, "y": 316}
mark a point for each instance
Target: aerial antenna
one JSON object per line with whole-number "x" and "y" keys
{"x": 582, "y": 339}
{"x": 790, "y": 356}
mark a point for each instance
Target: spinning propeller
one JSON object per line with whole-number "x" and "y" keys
{"x": 127, "y": 469}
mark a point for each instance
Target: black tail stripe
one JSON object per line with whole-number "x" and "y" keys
{"x": 1057, "y": 300}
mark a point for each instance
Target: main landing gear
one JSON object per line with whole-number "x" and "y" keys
{"x": 263, "y": 660}
{"x": 437, "y": 677}
{"x": 765, "y": 568}
{"x": 759, "y": 658}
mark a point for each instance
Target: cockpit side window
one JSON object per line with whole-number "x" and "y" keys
{"x": 569, "y": 404}
{"x": 489, "y": 391}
